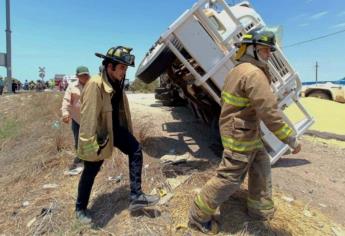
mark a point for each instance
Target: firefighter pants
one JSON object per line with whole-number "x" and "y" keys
{"x": 229, "y": 176}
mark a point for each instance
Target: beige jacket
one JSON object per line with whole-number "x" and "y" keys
{"x": 247, "y": 98}
{"x": 71, "y": 101}
{"x": 96, "y": 119}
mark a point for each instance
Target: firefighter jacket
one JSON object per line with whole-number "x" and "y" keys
{"x": 247, "y": 98}
{"x": 96, "y": 131}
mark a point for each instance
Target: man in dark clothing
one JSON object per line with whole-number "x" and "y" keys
{"x": 106, "y": 123}
{"x": 1, "y": 85}
{"x": 14, "y": 87}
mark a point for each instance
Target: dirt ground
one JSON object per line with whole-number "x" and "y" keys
{"x": 308, "y": 187}
{"x": 316, "y": 175}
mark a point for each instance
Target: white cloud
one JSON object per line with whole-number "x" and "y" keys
{"x": 340, "y": 25}
{"x": 318, "y": 15}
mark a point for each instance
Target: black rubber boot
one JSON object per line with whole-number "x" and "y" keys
{"x": 141, "y": 201}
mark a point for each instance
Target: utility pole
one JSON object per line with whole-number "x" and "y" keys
{"x": 8, "y": 46}
{"x": 316, "y": 68}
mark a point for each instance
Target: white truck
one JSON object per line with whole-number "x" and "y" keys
{"x": 193, "y": 57}
{"x": 329, "y": 90}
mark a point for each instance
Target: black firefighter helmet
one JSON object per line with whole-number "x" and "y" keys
{"x": 119, "y": 54}
{"x": 259, "y": 37}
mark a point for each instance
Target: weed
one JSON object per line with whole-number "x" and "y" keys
{"x": 9, "y": 129}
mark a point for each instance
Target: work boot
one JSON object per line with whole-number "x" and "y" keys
{"x": 83, "y": 216}
{"x": 261, "y": 214}
{"x": 210, "y": 227}
{"x": 75, "y": 168}
{"x": 141, "y": 201}
{"x": 76, "y": 163}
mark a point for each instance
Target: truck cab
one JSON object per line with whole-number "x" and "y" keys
{"x": 194, "y": 55}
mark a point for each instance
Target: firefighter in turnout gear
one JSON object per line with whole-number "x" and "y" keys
{"x": 247, "y": 99}
{"x": 106, "y": 123}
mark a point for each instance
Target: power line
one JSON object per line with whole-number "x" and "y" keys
{"x": 313, "y": 39}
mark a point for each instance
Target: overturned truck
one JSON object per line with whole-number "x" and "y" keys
{"x": 192, "y": 58}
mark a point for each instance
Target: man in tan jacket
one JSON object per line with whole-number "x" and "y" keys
{"x": 247, "y": 99}
{"x": 71, "y": 111}
{"x": 106, "y": 123}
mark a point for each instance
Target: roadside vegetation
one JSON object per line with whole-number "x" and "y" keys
{"x": 141, "y": 87}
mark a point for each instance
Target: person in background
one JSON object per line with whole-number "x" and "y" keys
{"x": 1, "y": 85}
{"x": 64, "y": 84}
{"x": 26, "y": 85}
{"x": 71, "y": 111}
{"x": 14, "y": 86}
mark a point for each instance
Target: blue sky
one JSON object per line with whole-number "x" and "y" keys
{"x": 64, "y": 34}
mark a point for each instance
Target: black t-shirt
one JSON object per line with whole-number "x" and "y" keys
{"x": 115, "y": 102}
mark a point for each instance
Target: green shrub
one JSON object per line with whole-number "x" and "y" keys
{"x": 139, "y": 86}
{"x": 9, "y": 129}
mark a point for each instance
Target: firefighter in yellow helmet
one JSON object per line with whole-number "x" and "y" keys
{"x": 247, "y": 99}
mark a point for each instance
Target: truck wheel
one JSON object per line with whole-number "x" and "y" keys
{"x": 155, "y": 63}
{"x": 166, "y": 96}
{"x": 160, "y": 90}
{"x": 167, "y": 103}
{"x": 320, "y": 94}
{"x": 158, "y": 96}
{"x": 174, "y": 102}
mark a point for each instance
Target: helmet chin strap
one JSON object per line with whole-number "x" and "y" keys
{"x": 255, "y": 51}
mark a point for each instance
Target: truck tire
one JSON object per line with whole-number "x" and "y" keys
{"x": 158, "y": 96}
{"x": 167, "y": 103}
{"x": 155, "y": 63}
{"x": 166, "y": 96}
{"x": 173, "y": 102}
{"x": 320, "y": 94}
{"x": 160, "y": 90}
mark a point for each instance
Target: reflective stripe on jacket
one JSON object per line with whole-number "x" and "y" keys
{"x": 247, "y": 98}
{"x": 96, "y": 119}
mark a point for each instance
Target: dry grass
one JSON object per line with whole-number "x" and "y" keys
{"x": 290, "y": 218}
{"x": 37, "y": 154}
{"x": 30, "y": 158}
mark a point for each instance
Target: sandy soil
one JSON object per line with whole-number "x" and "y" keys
{"x": 36, "y": 149}
{"x": 315, "y": 175}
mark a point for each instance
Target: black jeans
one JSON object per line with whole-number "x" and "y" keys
{"x": 75, "y": 128}
{"x": 127, "y": 143}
